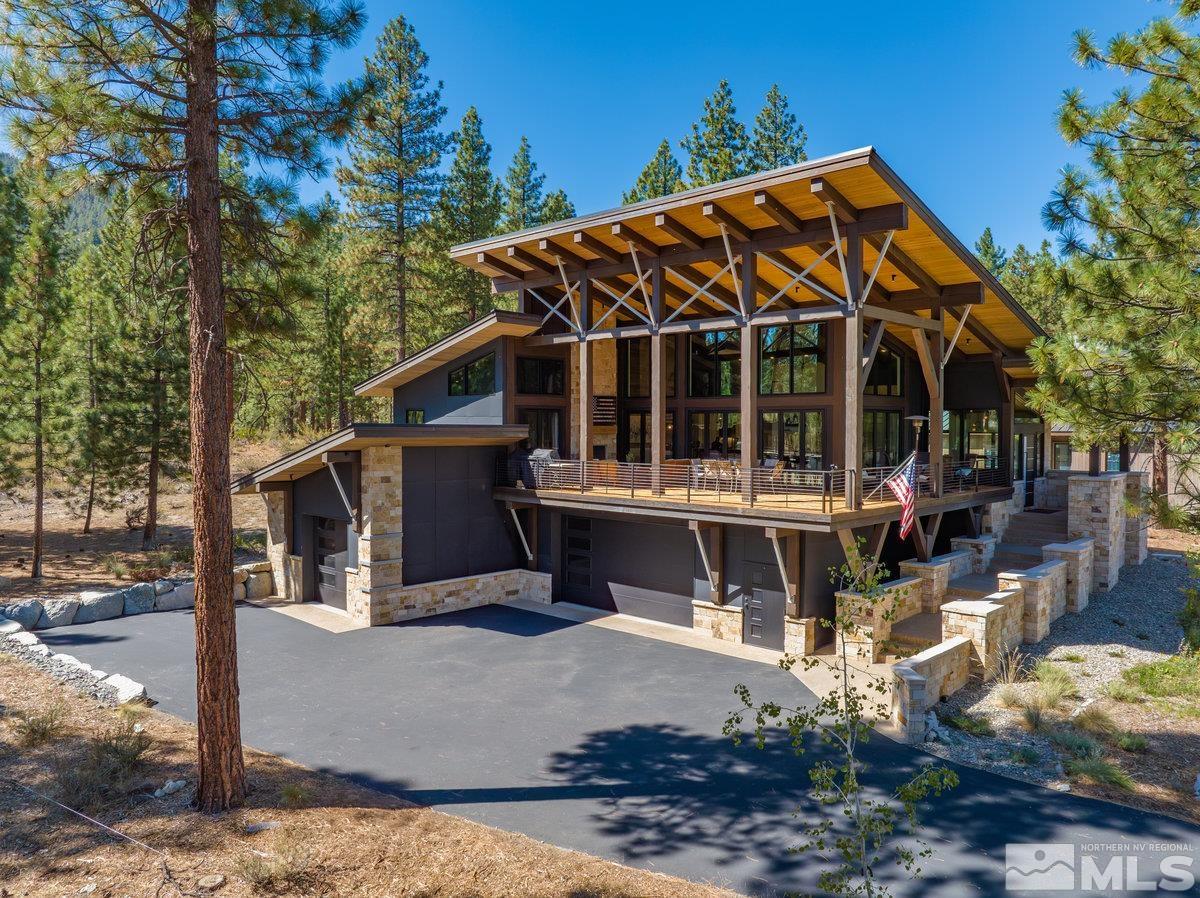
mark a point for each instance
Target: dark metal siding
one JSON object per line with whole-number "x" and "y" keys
{"x": 452, "y": 525}
{"x": 972, "y": 385}
{"x": 431, "y": 392}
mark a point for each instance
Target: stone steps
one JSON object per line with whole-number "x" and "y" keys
{"x": 972, "y": 586}
{"x": 917, "y": 633}
{"x": 1015, "y": 557}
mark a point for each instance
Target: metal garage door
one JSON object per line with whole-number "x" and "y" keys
{"x": 629, "y": 566}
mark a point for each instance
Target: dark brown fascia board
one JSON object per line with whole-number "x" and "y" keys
{"x": 906, "y": 194}
{"x": 496, "y": 316}
{"x": 369, "y": 430}
{"x": 712, "y": 192}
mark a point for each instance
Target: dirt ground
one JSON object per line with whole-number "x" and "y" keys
{"x": 75, "y": 561}
{"x": 332, "y": 838}
{"x": 1172, "y": 541}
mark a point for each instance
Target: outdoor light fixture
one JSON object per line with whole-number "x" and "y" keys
{"x": 918, "y": 421}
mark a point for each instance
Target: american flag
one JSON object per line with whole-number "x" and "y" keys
{"x": 903, "y": 483}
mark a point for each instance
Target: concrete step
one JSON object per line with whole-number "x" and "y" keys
{"x": 1037, "y": 540}
{"x": 1015, "y": 557}
{"x": 972, "y": 586}
{"x": 917, "y": 633}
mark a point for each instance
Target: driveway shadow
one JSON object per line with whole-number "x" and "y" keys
{"x": 497, "y": 618}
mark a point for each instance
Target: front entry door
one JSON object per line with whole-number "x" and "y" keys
{"x": 762, "y": 608}
{"x": 329, "y": 539}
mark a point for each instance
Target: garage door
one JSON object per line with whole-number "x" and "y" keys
{"x": 628, "y": 566}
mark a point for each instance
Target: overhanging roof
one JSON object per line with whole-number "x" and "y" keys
{"x": 498, "y": 323}
{"x": 361, "y": 436}
{"x": 925, "y": 258}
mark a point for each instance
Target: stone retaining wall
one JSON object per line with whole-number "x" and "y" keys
{"x": 396, "y": 603}
{"x": 799, "y": 635}
{"x": 249, "y": 581}
{"x": 991, "y": 624}
{"x": 1045, "y": 588}
{"x": 995, "y": 519}
{"x": 899, "y": 599}
{"x": 718, "y": 621}
{"x": 1137, "y": 524}
{"x": 1077, "y": 555}
{"x": 981, "y": 549}
{"x": 1096, "y": 508}
{"x": 921, "y": 681}
{"x": 935, "y": 575}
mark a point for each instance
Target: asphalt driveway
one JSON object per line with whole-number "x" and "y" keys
{"x": 581, "y": 736}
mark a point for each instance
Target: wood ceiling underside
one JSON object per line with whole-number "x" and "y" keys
{"x": 918, "y": 260}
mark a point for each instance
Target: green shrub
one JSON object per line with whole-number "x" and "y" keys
{"x": 1178, "y": 675}
{"x": 1098, "y": 770}
{"x": 284, "y": 869}
{"x": 1009, "y": 696}
{"x": 1189, "y": 619}
{"x": 114, "y": 756}
{"x": 1034, "y": 718}
{"x": 116, "y": 566}
{"x": 1075, "y": 743}
{"x": 970, "y": 723}
{"x": 1116, "y": 653}
{"x": 1132, "y": 742}
{"x": 1054, "y": 683}
{"x": 1011, "y": 668}
{"x": 295, "y": 796}
{"x": 1025, "y": 756}
{"x": 42, "y": 727}
{"x": 1073, "y": 657}
{"x": 1120, "y": 691}
{"x": 1095, "y": 721}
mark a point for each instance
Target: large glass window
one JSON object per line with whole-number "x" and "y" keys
{"x": 634, "y": 359}
{"x": 797, "y": 437}
{"x": 791, "y": 359}
{"x": 881, "y": 438}
{"x": 1061, "y": 450}
{"x": 887, "y": 374}
{"x": 973, "y": 433}
{"x": 414, "y": 416}
{"x": 712, "y": 434}
{"x": 638, "y": 438}
{"x": 714, "y": 359}
{"x": 544, "y": 427}
{"x": 540, "y": 377}
{"x": 477, "y": 378}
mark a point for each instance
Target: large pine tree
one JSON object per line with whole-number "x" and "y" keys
{"x": 990, "y": 253}
{"x": 777, "y": 139}
{"x": 153, "y": 93}
{"x": 393, "y": 178}
{"x": 521, "y": 192}
{"x": 661, "y": 176}
{"x": 557, "y": 207}
{"x": 33, "y": 313}
{"x": 718, "y": 146}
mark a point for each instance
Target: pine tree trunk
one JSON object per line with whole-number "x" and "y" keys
{"x": 91, "y": 501}
{"x": 401, "y": 289}
{"x": 39, "y": 467}
{"x": 221, "y": 768}
{"x": 150, "y": 531}
{"x": 1159, "y": 466}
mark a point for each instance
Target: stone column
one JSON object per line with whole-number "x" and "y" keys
{"x": 1096, "y": 508}
{"x": 380, "y": 542}
{"x": 1137, "y": 523}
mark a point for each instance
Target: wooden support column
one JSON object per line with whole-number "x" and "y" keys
{"x": 1123, "y": 455}
{"x": 749, "y": 373}
{"x": 585, "y": 373}
{"x": 936, "y": 405}
{"x": 658, "y": 382}
{"x": 1006, "y": 415}
{"x": 533, "y": 537}
{"x": 1094, "y": 466}
{"x": 853, "y": 370}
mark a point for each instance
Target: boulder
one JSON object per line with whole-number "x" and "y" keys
{"x": 28, "y": 640}
{"x": 259, "y": 586}
{"x": 57, "y": 613}
{"x": 239, "y": 576}
{"x": 139, "y": 599}
{"x": 127, "y": 690}
{"x": 162, "y": 587}
{"x": 71, "y": 661}
{"x": 5, "y": 582}
{"x": 95, "y": 605}
{"x": 182, "y": 596}
{"x": 9, "y": 626}
{"x": 255, "y": 567}
{"x": 26, "y": 613}
{"x": 239, "y": 592}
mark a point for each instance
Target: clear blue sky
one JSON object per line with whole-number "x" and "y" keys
{"x": 959, "y": 97}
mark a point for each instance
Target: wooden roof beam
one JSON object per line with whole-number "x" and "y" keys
{"x": 682, "y": 233}
{"x": 951, "y": 295}
{"x": 599, "y": 247}
{"x": 827, "y": 193}
{"x": 529, "y": 259}
{"x": 901, "y": 261}
{"x": 700, "y": 279}
{"x": 778, "y": 212}
{"x": 569, "y": 259}
{"x": 504, "y": 268}
{"x": 737, "y": 230}
{"x": 638, "y": 239}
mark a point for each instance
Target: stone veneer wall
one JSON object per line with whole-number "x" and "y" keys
{"x": 935, "y": 575}
{"x": 1045, "y": 588}
{"x": 1096, "y": 508}
{"x": 920, "y": 681}
{"x": 995, "y": 519}
{"x": 1077, "y": 555}
{"x": 1051, "y": 491}
{"x": 1137, "y": 484}
{"x": 604, "y": 383}
{"x": 398, "y": 603}
{"x": 899, "y": 599}
{"x": 799, "y": 635}
{"x": 991, "y": 624}
{"x": 287, "y": 571}
{"x": 981, "y": 549}
{"x": 376, "y": 589}
{"x": 718, "y": 621}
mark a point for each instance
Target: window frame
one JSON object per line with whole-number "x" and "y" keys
{"x": 410, "y": 413}
{"x": 873, "y": 389}
{"x": 464, "y": 373}
{"x": 796, "y": 350}
{"x": 542, "y": 363}
{"x": 719, "y": 339}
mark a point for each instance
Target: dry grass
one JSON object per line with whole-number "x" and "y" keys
{"x": 333, "y": 839}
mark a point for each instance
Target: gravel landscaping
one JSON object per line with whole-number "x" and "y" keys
{"x": 1133, "y": 624}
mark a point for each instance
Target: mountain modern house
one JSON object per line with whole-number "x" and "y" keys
{"x": 687, "y": 415}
